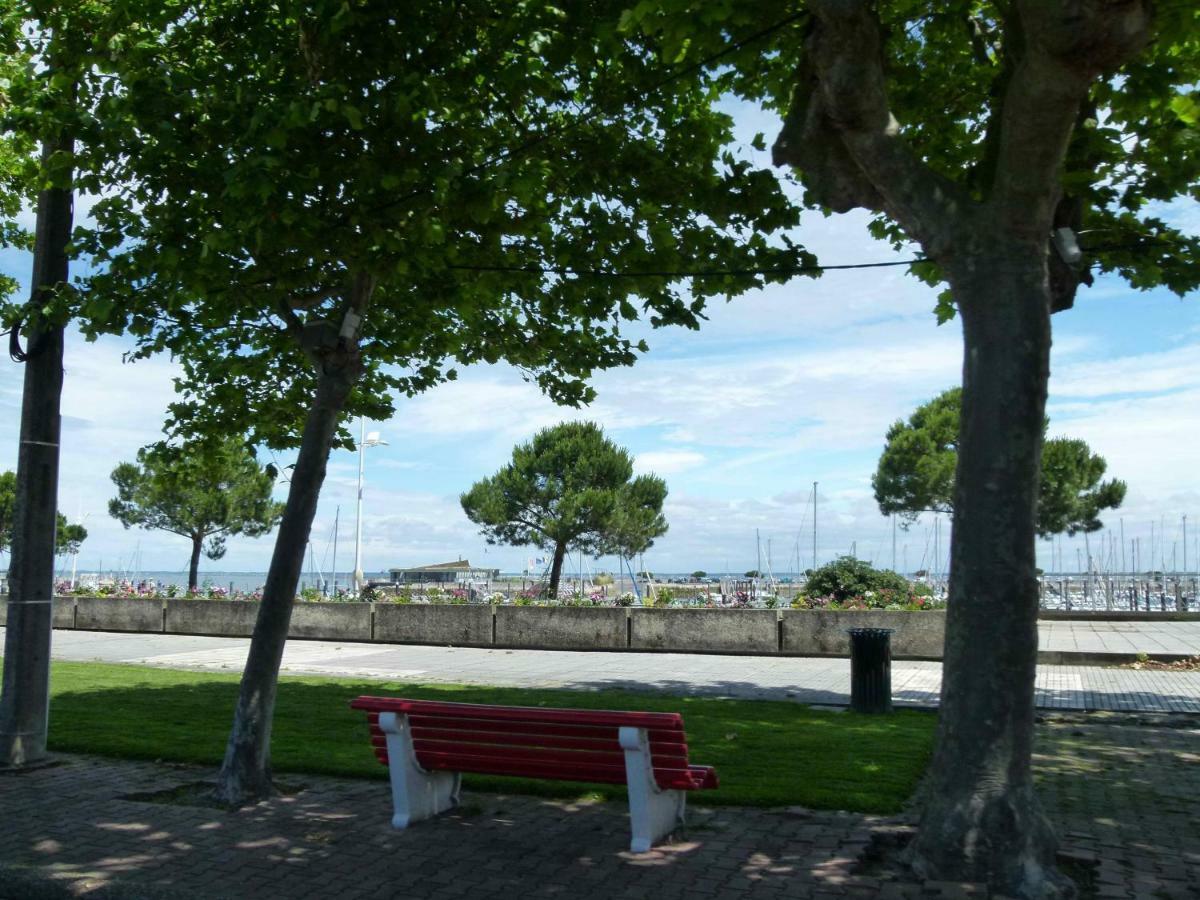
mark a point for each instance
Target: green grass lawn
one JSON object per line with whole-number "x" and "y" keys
{"x": 767, "y": 753}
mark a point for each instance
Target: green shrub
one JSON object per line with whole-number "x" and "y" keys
{"x": 309, "y": 594}
{"x": 846, "y": 578}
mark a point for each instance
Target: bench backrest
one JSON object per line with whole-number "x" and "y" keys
{"x": 535, "y": 742}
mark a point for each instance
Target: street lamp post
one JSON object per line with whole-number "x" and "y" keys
{"x": 365, "y": 440}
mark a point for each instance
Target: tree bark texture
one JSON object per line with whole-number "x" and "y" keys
{"x": 245, "y": 774}
{"x": 981, "y": 821}
{"x": 25, "y": 697}
{"x": 560, "y": 552}
{"x": 194, "y": 563}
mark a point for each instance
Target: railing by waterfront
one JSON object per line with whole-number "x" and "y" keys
{"x": 1114, "y": 592}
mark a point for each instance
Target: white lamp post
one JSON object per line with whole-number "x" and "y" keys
{"x": 365, "y": 440}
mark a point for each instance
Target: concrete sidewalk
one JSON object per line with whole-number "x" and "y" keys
{"x": 806, "y": 680}
{"x": 1121, "y": 797}
{"x": 1098, "y": 638}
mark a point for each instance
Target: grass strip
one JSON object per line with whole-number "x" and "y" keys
{"x": 767, "y": 753}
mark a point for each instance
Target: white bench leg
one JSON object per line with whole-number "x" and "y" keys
{"x": 416, "y": 794}
{"x": 653, "y": 812}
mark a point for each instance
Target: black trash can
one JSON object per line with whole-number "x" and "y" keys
{"x": 870, "y": 669}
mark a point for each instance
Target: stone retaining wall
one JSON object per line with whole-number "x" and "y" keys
{"x": 116, "y": 614}
{"x": 711, "y": 631}
{"x": 342, "y": 621}
{"x": 762, "y": 632}
{"x": 416, "y": 623}
{"x": 562, "y": 627}
{"x": 812, "y": 632}
{"x": 227, "y": 618}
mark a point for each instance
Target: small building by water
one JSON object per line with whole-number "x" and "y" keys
{"x": 455, "y": 572}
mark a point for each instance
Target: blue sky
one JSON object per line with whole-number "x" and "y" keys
{"x": 781, "y": 388}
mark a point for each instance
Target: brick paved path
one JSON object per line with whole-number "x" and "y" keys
{"x": 1120, "y": 793}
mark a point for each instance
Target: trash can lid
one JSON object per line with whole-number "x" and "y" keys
{"x": 870, "y": 632}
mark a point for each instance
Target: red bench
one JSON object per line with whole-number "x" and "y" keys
{"x": 426, "y": 745}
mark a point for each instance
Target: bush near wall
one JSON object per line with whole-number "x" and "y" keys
{"x": 849, "y": 583}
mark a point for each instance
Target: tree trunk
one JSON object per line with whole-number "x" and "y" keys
{"x": 246, "y": 771}
{"x": 194, "y": 565}
{"x": 560, "y": 552}
{"x": 982, "y": 820}
{"x": 25, "y": 699}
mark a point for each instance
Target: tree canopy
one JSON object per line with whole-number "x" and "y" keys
{"x": 916, "y": 472}
{"x": 205, "y": 493}
{"x": 15, "y": 151}
{"x": 461, "y": 158}
{"x": 67, "y": 536}
{"x": 569, "y": 489}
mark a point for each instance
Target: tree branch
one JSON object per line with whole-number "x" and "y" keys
{"x": 308, "y": 301}
{"x": 291, "y": 321}
{"x": 844, "y": 141}
{"x": 1068, "y": 44}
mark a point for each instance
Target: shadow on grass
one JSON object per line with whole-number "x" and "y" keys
{"x": 767, "y": 753}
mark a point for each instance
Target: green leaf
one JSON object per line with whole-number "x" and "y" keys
{"x": 1187, "y": 108}
{"x": 945, "y": 310}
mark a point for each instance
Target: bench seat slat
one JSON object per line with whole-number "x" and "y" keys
{"x": 615, "y": 757}
{"x": 667, "y": 779}
{"x": 665, "y": 721}
{"x": 689, "y": 779}
{"x": 669, "y": 757}
{"x": 662, "y": 735}
{"x": 609, "y": 743}
{"x": 490, "y": 765}
{"x": 525, "y": 755}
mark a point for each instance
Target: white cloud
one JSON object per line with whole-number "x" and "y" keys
{"x": 667, "y": 462}
{"x": 1144, "y": 373}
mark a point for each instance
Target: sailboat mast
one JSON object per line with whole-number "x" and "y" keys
{"x": 814, "y": 526}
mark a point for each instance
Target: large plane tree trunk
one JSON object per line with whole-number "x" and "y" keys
{"x": 25, "y": 698}
{"x": 246, "y": 771}
{"x": 990, "y": 234}
{"x": 982, "y": 820}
